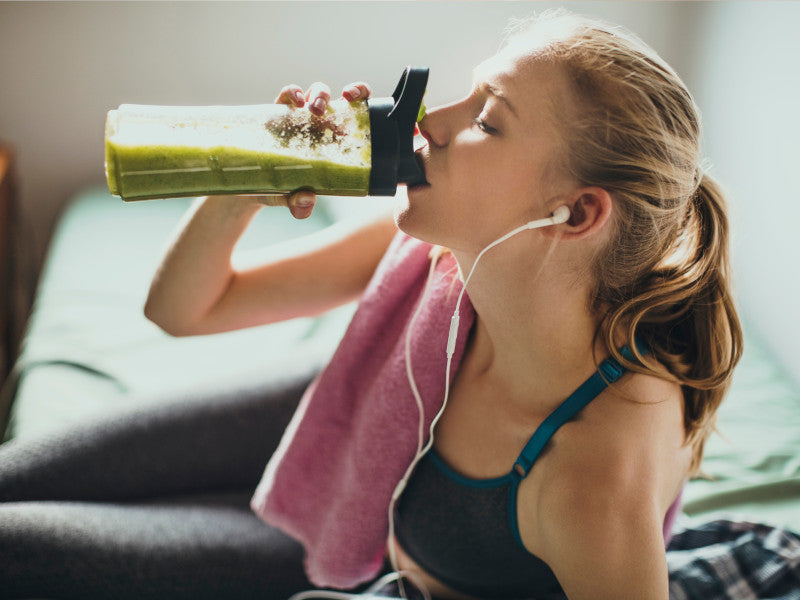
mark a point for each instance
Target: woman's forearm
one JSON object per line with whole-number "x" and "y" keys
{"x": 196, "y": 269}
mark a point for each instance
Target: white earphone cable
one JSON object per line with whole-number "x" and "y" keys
{"x": 421, "y": 424}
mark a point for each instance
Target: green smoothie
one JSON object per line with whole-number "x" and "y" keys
{"x": 159, "y": 152}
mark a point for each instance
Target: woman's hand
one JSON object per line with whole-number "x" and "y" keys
{"x": 301, "y": 203}
{"x": 319, "y": 276}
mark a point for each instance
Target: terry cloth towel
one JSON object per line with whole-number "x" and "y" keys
{"x": 355, "y": 432}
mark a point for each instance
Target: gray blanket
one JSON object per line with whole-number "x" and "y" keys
{"x": 151, "y": 502}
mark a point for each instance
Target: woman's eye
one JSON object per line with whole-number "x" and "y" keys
{"x": 483, "y": 126}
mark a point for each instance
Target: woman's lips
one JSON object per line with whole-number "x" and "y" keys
{"x": 421, "y": 164}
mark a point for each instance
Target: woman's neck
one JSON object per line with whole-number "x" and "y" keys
{"x": 534, "y": 333}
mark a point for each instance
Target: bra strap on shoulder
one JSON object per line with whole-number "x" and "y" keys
{"x": 609, "y": 371}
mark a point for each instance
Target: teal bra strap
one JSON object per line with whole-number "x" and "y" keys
{"x": 609, "y": 371}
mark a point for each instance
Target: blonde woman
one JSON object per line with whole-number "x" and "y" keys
{"x": 592, "y": 351}
{"x": 569, "y": 113}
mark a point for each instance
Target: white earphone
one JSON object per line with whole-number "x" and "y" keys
{"x": 560, "y": 215}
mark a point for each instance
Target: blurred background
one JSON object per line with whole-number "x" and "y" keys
{"x": 64, "y": 64}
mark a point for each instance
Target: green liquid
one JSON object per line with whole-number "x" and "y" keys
{"x": 162, "y": 152}
{"x": 161, "y": 171}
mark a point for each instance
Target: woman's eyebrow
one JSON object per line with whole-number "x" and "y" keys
{"x": 497, "y": 93}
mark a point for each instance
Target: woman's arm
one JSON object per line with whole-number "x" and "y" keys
{"x": 608, "y": 548}
{"x": 199, "y": 290}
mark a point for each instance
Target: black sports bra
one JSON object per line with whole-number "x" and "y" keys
{"x": 464, "y": 531}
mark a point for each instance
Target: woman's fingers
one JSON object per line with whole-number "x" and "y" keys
{"x": 356, "y": 91}
{"x": 318, "y": 96}
{"x": 273, "y": 199}
{"x": 291, "y": 94}
{"x": 301, "y": 203}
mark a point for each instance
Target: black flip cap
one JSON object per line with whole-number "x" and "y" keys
{"x": 392, "y": 122}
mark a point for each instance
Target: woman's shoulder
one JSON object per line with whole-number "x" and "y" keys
{"x": 628, "y": 443}
{"x": 636, "y": 421}
{"x": 617, "y": 468}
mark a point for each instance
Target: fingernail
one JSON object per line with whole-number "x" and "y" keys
{"x": 299, "y": 97}
{"x": 319, "y": 105}
{"x": 355, "y": 93}
{"x": 303, "y": 201}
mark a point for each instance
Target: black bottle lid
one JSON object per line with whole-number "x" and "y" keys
{"x": 392, "y": 122}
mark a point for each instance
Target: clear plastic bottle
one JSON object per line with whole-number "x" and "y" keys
{"x": 355, "y": 149}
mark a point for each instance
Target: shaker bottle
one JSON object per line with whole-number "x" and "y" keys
{"x": 356, "y": 148}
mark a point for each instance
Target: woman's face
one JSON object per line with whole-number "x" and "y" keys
{"x": 491, "y": 158}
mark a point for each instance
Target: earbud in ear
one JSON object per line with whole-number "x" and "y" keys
{"x": 561, "y": 214}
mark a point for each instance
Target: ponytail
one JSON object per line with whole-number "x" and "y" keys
{"x": 713, "y": 323}
{"x": 684, "y": 311}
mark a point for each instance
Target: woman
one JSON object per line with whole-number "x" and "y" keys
{"x": 569, "y": 113}
{"x": 509, "y": 502}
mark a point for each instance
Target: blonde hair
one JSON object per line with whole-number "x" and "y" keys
{"x": 664, "y": 277}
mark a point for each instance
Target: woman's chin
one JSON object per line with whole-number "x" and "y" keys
{"x": 411, "y": 221}
{"x": 401, "y": 213}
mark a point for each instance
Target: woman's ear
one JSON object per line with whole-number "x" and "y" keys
{"x": 590, "y": 209}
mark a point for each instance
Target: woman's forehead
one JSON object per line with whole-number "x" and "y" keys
{"x": 495, "y": 68}
{"x": 522, "y": 76}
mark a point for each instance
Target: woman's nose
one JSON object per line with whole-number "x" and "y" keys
{"x": 426, "y": 134}
{"x": 433, "y": 127}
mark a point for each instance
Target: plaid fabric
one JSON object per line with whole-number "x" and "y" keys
{"x": 726, "y": 560}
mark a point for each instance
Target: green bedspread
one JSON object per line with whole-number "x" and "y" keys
{"x": 754, "y": 460}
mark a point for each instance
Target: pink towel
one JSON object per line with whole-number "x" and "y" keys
{"x": 354, "y": 434}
